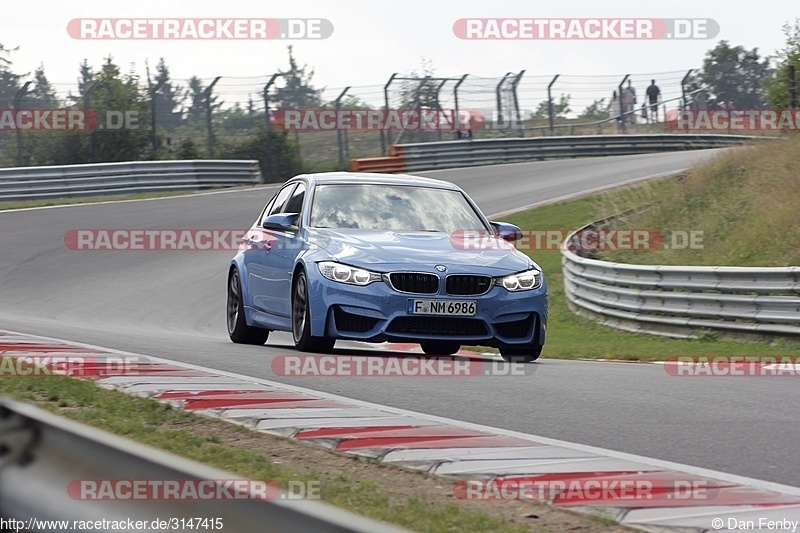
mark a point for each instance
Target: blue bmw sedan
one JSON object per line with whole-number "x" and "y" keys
{"x": 373, "y": 257}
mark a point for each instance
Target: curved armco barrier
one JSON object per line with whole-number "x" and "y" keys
{"x": 471, "y": 153}
{"x": 682, "y": 300}
{"x": 31, "y": 183}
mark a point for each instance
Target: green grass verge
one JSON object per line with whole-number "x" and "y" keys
{"x": 745, "y": 205}
{"x": 182, "y": 433}
{"x": 570, "y": 336}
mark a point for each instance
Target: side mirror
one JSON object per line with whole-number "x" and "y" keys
{"x": 507, "y": 232}
{"x": 281, "y": 222}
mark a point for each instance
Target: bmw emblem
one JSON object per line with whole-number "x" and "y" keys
{"x": 440, "y": 268}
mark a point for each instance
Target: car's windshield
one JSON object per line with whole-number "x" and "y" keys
{"x": 394, "y": 208}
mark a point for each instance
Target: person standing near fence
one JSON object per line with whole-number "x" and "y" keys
{"x": 615, "y": 108}
{"x": 654, "y": 96}
{"x": 629, "y": 101}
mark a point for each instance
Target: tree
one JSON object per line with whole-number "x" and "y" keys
{"x": 297, "y": 91}
{"x": 86, "y": 79}
{"x": 420, "y": 92}
{"x": 351, "y": 101}
{"x": 560, "y": 108}
{"x": 733, "y": 72}
{"x": 237, "y": 120}
{"x": 43, "y": 94}
{"x": 187, "y": 149}
{"x": 116, "y": 120}
{"x": 167, "y": 100}
{"x": 282, "y": 164}
{"x": 597, "y": 110}
{"x": 778, "y": 87}
{"x": 9, "y": 82}
{"x": 116, "y": 97}
{"x": 196, "y": 114}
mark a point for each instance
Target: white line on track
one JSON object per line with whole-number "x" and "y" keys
{"x": 193, "y": 195}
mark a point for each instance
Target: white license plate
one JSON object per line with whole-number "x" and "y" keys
{"x": 442, "y": 307}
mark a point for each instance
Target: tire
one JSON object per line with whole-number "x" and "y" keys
{"x": 238, "y": 330}
{"x": 301, "y": 320}
{"x": 439, "y": 347}
{"x": 523, "y": 354}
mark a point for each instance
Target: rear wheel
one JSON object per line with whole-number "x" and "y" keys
{"x": 301, "y": 320}
{"x": 521, "y": 354}
{"x": 238, "y": 330}
{"x": 440, "y": 347}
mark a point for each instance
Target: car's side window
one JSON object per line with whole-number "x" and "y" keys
{"x": 295, "y": 203}
{"x": 279, "y": 201}
{"x": 267, "y": 208}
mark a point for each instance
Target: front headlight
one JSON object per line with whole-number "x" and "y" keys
{"x": 521, "y": 281}
{"x": 347, "y": 274}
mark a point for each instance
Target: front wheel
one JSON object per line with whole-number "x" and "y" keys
{"x": 521, "y": 354}
{"x": 301, "y": 320}
{"x": 238, "y": 330}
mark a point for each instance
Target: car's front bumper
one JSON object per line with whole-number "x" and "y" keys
{"x": 376, "y": 312}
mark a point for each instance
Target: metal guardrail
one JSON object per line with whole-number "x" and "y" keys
{"x": 468, "y": 153}
{"x": 681, "y": 301}
{"x": 98, "y": 179}
{"x": 43, "y": 453}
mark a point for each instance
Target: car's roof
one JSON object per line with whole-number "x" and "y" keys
{"x": 341, "y": 178}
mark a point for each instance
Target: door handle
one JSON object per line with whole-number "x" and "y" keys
{"x": 264, "y": 245}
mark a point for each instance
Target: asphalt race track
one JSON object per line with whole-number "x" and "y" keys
{"x": 171, "y": 304}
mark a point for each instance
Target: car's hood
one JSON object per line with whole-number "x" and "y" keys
{"x": 387, "y": 250}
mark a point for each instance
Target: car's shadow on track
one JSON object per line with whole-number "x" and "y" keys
{"x": 470, "y": 362}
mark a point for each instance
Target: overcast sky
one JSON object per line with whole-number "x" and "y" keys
{"x": 372, "y": 39}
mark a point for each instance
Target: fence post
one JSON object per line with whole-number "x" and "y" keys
{"x": 153, "y": 91}
{"x": 623, "y": 117}
{"x": 86, "y": 96}
{"x": 683, "y": 88}
{"x": 17, "y": 98}
{"x": 207, "y": 95}
{"x": 455, "y": 96}
{"x": 266, "y": 100}
{"x": 439, "y": 109}
{"x": 339, "y": 132}
{"x": 417, "y": 106}
{"x": 516, "y": 101}
{"x": 500, "y": 120}
{"x": 270, "y": 149}
{"x": 386, "y": 108}
{"x": 550, "y": 105}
